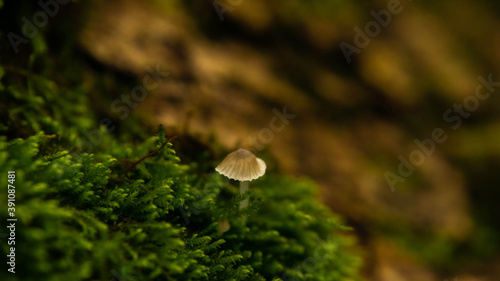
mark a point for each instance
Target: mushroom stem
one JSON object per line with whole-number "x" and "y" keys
{"x": 243, "y": 189}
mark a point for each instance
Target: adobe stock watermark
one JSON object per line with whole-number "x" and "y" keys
{"x": 266, "y": 135}
{"x": 222, "y": 7}
{"x": 372, "y": 29}
{"x": 128, "y": 102}
{"x": 122, "y": 106}
{"x": 49, "y": 8}
{"x": 454, "y": 116}
{"x": 310, "y": 264}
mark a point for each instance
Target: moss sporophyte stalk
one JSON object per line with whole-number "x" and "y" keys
{"x": 82, "y": 218}
{"x": 149, "y": 155}
{"x": 85, "y": 212}
{"x": 81, "y": 211}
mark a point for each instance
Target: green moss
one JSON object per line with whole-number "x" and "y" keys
{"x": 80, "y": 217}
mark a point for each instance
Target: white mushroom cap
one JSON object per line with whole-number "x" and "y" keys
{"x": 242, "y": 165}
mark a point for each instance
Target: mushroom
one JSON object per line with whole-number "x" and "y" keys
{"x": 223, "y": 226}
{"x": 243, "y": 166}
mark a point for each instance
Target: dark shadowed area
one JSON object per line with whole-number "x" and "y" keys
{"x": 390, "y": 106}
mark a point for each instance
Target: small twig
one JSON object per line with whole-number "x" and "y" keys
{"x": 149, "y": 155}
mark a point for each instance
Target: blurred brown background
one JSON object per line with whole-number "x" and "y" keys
{"x": 231, "y": 62}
